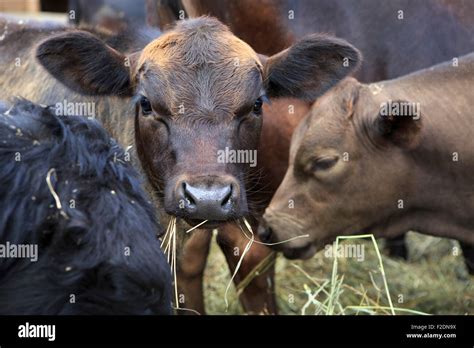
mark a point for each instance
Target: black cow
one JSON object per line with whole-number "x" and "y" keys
{"x": 66, "y": 189}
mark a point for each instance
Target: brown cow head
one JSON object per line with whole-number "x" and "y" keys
{"x": 199, "y": 92}
{"x": 349, "y": 166}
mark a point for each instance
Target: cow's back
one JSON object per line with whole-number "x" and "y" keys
{"x": 396, "y": 37}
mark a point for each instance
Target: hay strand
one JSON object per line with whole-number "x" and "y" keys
{"x": 333, "y": 291}
{"x": 54, "y": 194}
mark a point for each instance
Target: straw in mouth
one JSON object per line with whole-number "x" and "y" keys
{"x": 168, "y": 245}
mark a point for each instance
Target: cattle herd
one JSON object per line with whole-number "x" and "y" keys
{"x": 358, "y": 114}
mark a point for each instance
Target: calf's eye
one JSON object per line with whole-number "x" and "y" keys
{"x": 324, "y": 163}
{"x": 145, "y": 105}
{"x": 257, "y": 107}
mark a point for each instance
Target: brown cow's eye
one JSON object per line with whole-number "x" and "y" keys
{"x": 257, "y": 108}
{"x": 145, "y": 105}
{"x": 324, "y": 163}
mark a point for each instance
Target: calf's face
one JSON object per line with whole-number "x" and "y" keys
{"x": 199, "y": 92}
{"x": 349, "y": 167}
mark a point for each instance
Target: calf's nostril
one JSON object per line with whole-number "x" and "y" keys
{"x": 227, "y": 197}
{"x": 188, "y": 196}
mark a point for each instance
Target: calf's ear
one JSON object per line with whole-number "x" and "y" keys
{"x": 399, "y": 122}
{"x": 86, "y": 64}
{"x": 310, "y": 67}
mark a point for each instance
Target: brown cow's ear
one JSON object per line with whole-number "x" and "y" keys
{"x": 310, "y": 67}
{"x": 86, "y": 65}
{"x": 399, "y": 122}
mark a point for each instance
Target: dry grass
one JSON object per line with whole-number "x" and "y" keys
{"x": 433, "y": 281}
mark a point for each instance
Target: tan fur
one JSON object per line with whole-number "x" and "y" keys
{"x": 210, "y": 56}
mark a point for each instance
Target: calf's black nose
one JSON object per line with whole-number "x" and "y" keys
{"x": 207, "y": 202}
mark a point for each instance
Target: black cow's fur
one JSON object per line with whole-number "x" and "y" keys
{"x": 100, "y": 249}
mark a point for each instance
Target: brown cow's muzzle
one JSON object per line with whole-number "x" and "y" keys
{"x": 279, "y": 230}
{"x": 214, "y": 198}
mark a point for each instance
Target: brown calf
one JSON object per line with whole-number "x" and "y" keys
{"x": 382, "y": 158}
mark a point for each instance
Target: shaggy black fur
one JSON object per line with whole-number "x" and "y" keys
{"x": 85, "y": 254}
